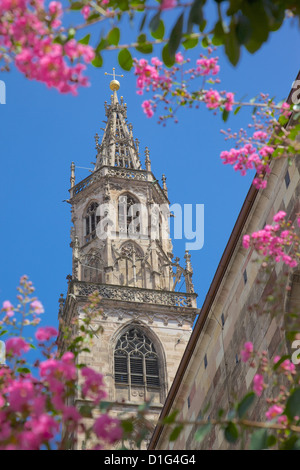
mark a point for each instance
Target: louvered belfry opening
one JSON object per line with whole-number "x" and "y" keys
{"x": 136, "y": 361}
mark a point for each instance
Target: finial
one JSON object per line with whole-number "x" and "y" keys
{"x": 137, "y": 145}
{"x": 164, "y": 184}
{"x": 147, "y": 160}
{"x": 97, "y": 141}
{"x": 72, "y": 179}
{"x": 114, "y": 84}
{"x": 130, "y": 128}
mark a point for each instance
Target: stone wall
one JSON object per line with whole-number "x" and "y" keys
{"x": 215, "y": 374}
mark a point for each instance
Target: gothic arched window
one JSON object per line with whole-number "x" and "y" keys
{"x": 91, "y": 221}
{"x": 136, "y": 361}
{"x": 129, "y": 215}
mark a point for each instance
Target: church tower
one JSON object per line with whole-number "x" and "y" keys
{"x": 122, "y": 249}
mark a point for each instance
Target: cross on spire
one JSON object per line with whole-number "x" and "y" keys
{"x": 114, "y": 84}
{"x": 114, "y": 75}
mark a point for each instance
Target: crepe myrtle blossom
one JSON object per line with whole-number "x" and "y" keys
{"x": 15, "y": 346}
{"x": 273, "y": 412}
{"x": 273, "y": 240}
{"x": 28, "y": 31}
{"x": 37, "y": 307}
{"x": 7, "y": 307}
{"x": 168, "y": 4}
{"x": 45, "y": 333}
{"x": 108, "y": 429}
{"x": 258, "y": 384}
{"x": 247, "y": 351}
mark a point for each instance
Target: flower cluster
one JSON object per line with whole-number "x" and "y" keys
{"x": 247, "y": 158}
{"x": 173, "y": 83}
{"x": 274, "y": 240}
{"x": 28, "y": 34}
{"x": 266, "y": 368}
{"x": 35, "y": 408}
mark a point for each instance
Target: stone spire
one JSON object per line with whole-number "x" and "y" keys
{"x": 118, "y": 148}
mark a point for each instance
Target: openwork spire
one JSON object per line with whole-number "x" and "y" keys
{"x": 118, "y": 147}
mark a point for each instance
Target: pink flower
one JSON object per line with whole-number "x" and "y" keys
{"x": 258, "y": 384}
{"x": 108, "y": 429}
{"x": 179, "y": 58}
{"x": 86, "y": 11}
{"x": 246, "y": 241}
{"x": 260, "y": 135}
{"x": 93, "y": 386}
{"x": 279, "y": 216}
{"x": 16, "y": 345}
{"x": 71, "y": 413}
{"x": 44, "y": 334}
{"x": 229, "y": 101}
{"x": 37, "y": 307}
{"x": 246, "y": 352}
{"x": 207, "y": 66}
{"x": 147, "y": 107}
{"x": 8, "y": 307}
{"x": 167, "y": 4}
{"x": 274, "y": 411}
{"x": 212, "y": 99}
{"x": 21, "y": 393}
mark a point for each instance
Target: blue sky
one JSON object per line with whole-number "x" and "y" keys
{"x": 42, "y": 131}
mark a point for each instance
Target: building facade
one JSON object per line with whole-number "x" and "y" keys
{"x": 237, "y": 309}
{"x": 122, "y": 249}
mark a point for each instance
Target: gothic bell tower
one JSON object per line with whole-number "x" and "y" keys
{"x": 122, "y": 249}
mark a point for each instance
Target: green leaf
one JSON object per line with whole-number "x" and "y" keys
{"x": 196, "y": 13}
{"x": 113, "y": 36}
{"x": 176, "y": 432}
{"x": 293, "y": 405}
{"x": 159, "y": 32}
{"x": 205, "y": 42}
{"x": 171, "y": 418}
{"x": 154, "y": 22}
{"x": 61, "y": 39}
{"x": 127, "y": 426}
{"x": 245, "y": 404}
{"x": 76, "y": 6}
{"x": 243, "y": 30}
{"x": 102, "y": 45}
{"x": 219, "y": 34}
{"x": 190, "y": 42}
{"x": 231, "y": 433}
{"x": 143, "y": 22}
{"x": 125, "y": 59}
{"x": 225, "y": 115}
{"x": 93, "y": 16}
{"x": 232, "y": 47}
{"x": 98, "y": 61}
{"x": 237, "y": 109}
{"x": 202, "y": 432}
{"x": 259, "y": 440}
{"x": 85, "y": 40}
{"x": 167, "y": 59}
{"x": 23, "y": 370}
{"x": 144, "y": 47}
{"x": 271, "y": 440}
{"x": 175, "y": 36}
{"x": 293, "y": 443}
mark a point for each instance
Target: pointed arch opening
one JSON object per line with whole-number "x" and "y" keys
{"x": 138, "y": 367}
{"x": 91, "y": 220}
{"x": 129, "y": 216}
